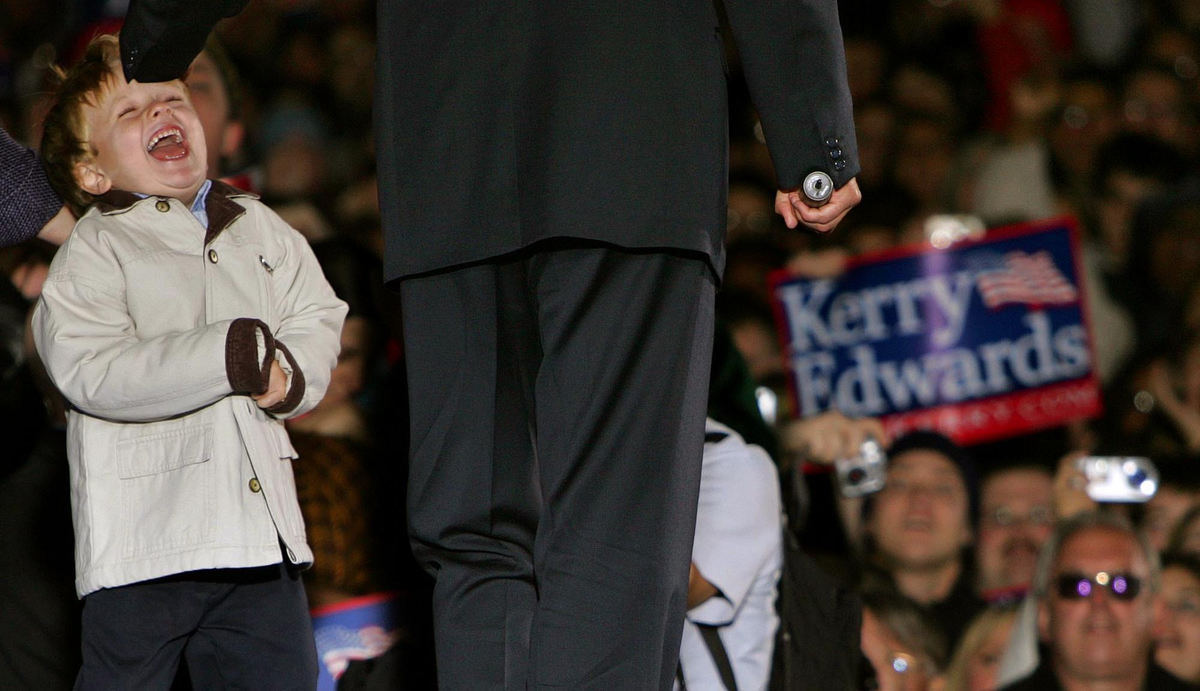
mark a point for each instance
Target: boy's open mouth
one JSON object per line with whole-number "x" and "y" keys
{"x": 167, "y": 144}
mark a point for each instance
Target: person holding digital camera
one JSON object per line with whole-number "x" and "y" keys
{"x": 920, "y": 527}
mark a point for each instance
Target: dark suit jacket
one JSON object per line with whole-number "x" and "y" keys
{"x": 500, "y": 124}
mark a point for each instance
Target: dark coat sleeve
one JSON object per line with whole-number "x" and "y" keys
{"x": 160, "y": 38}
{"x": 795, "y": 66}
{"x": 27, "y": 202}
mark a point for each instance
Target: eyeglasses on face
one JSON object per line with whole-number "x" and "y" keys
{"x": 1004, "y": 517}
{"x": 1077, "y": 586}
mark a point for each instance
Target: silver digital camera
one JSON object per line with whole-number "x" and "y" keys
{"x": 1119, "y": 478}
{"x": 864, "y": 472}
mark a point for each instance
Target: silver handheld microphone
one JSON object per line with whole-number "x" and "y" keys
{"x": 818, "y": 188}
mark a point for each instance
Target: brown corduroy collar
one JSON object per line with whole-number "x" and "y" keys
{"x": 220, "y": 204}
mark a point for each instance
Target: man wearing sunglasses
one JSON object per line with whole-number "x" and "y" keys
{"x": 1095, "y": 583}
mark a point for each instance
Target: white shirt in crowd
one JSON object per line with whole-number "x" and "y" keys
{"x": 738, "y": 548}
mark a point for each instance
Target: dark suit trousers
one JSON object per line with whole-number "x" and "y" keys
{"x": 558, "y": 402}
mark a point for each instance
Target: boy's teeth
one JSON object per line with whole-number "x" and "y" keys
{"x": 174, "y": 135}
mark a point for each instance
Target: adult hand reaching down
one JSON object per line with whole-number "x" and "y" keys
{"x": 794, "y": 207}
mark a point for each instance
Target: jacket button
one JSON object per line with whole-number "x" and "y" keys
{"x": 832, "y": 141}
{"x": 839, "y": 164}
{"x": 835, "y": 153}
{"x": 212, "y": 256}
{"x": 162, "y": 205}
{"x": 255, "y": 486}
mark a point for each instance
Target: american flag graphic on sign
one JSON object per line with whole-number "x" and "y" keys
{"x": 1030, "y": 279}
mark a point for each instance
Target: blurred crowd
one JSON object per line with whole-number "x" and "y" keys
{"x": 976, "y": 113}
{"x": 973, "y": 115}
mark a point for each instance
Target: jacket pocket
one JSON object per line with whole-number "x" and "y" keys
{"x": 159, "y": 452}
{"x": 167, "y": 490}
{"x": 291, "y": 519}
{"x": 282, "y": 442}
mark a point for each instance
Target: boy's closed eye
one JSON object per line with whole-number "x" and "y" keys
{"x": 126, "y": 106}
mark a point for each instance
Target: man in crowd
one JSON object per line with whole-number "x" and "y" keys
{"x": 737, "y": 556}
{"x": 1095, "y": 585}
{"x": 1016, "y": 515}
{"x": 920, "y": 525}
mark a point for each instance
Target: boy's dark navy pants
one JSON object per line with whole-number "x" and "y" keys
{"x": 237, "y": 629}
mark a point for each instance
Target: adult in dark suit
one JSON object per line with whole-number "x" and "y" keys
{"x": 552, "y": 177}
{"x": 29, "y": 207}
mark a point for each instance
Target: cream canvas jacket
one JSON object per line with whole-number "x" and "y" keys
{"x": 156, "y": 330}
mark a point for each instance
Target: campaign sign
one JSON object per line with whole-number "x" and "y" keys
{"x": 357, "y": 629}
{"x": 984, "y": 340}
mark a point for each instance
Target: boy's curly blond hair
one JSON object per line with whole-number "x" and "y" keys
{"x": 65, "y": 133}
